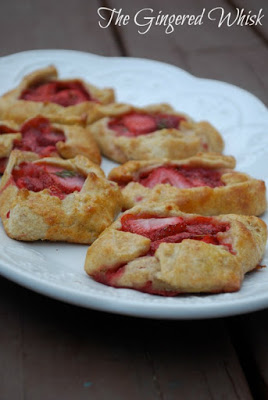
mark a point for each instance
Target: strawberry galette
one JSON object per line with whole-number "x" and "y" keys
{"x": 160, "y": 250}
{"x": 55, "y": 199}
{"x": 46, "y": 139}
{"x": 63, "y": 101}
{"x": 204, "y": 184}
{"x": 129, "y": 133}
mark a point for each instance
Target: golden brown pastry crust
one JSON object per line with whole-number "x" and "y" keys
{"x": 165, "y": 143}
{"x": 79, "y": 141}
{"x": 11, "y": 107}
{"x": 188, "y": 267}
{"x": 240, "y": 195}
{"x": 79, "y": 218}
{"x": 7, "y": 139}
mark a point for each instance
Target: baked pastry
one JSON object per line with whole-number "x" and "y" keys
{"x": 205, "y": 184}
{"x": 63, "y": 101}
{"x": 46, "y": 139}
{"x": 55, "y": 199}
{"x": 130, "y": 133}
{"x": 160, "y": 250}
{"x": 9, "y": 132}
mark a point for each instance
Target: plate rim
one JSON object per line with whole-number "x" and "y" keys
{"x": 146, "y": 60}
{"x": 124, "y": 306}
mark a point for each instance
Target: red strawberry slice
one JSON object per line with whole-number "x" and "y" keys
{"x": 201, "y": 229}
{"x": 201, "y": 176}
{"x": 169, "y": 239}
{"x": 68, "y": 181}
{"x": 135, "y": 124}
{"x": 168, "y": 121}
{"x": 50, "y": 138}
{"x": 70, "y": 184}
{"x": 181, "y": 177}
{"x": 59, "y": 92}
{"x": 39, "y": 93}
{"x": 180, "y": 237}
{"x": 39, "y": 136}
{"x": 173, "y": 229}
{"x": 152, "y": 228}
{"x": 69, "y": 97}
{"x": 165, "y": 175}
{"x": 119, "y": 128}
{"x": 39, "y": 123}
{"x": 39, "y": 177}
{"x": 139, "y": 124}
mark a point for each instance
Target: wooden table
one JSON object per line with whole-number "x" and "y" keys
{"x": 50, "y": 350}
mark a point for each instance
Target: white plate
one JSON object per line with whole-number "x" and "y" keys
{"x": 56, "y": 269}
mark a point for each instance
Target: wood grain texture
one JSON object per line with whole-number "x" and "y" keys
{"x": 195, "y": 360}
{"x": 231, "y": 54}
{"x": 38, "y": 24}
{"x": 255, "y": 6}
{"x": 62, "y": 352}
{"x": 249, "y": 334}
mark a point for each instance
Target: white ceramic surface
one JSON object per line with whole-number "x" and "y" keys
{"x": 56, "y": 269}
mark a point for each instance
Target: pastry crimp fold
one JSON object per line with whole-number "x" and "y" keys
{"x": 47, "y": 139}
{"x": 68, "y": 101}
{"x": 57, "y": 200}
{"x": 205, "y": 183}
{"x": 160, "y": 250}
{"x": 127, "y": 133}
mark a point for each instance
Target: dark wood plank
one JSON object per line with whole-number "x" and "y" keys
{"x": 53, "y": 350}
{"x": 58, "y": 351}
{"x": 249, "y": 333}
{"x": 255, "y": 6}
{"x": 38, "y": 24}
{"x": 232, "y": 54}
{"x": 195, "y": 360}
{"x": 11, "y": 352}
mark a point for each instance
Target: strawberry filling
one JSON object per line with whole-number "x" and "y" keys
{"x": 5, "y": 129}
{"x": 165, "y": 230}
{"x": 64, "y": 93}
{"x": 136, "y": 124}
{"x": 40, "y": 137}
{"x": 3, "y": 164}
{"x": 174, "y": 229}
{"x": 110, "y": 278}
{"x": 182, "y": 177}
{"x": 37, "y": 177}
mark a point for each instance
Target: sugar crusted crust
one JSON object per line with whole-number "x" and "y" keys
{"x": 188, "y": 267}
{"x": 165, "y": 143}
{"x": 78, "y": 141}
{"x": 11, "y": 107}
{"x": 79, "y": 218}
{"x": 240, "y": 195}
